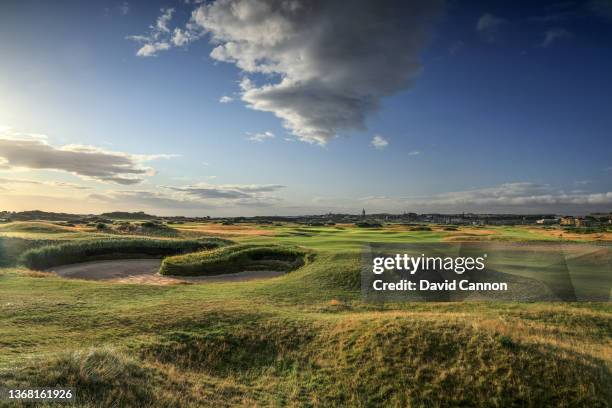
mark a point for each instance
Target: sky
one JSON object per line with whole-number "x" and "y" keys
{"x": 288, "y": 107}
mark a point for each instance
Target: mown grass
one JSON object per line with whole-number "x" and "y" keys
{"x": 350, "y": 239}
{"x": 235, "y": 258}
{"x": 303, "y": 339}
{"x": 79, "y": 251}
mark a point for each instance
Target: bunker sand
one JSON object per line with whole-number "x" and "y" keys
{"x": 144, "y": 271}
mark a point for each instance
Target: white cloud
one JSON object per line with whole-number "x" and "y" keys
{"x": 147, "y": 199}
{"x": 158, "y": 38}
{"x": 151, "y": 50}
{"x": 227, "y": 191}
{"x": 64, "y": 184}
{"x": 161, "y": 25}
{"x": 193, "y": 197}
{"x": 18, "y": 181}
{"x": 488, "y": 27}
{"x": 414, "y": 153}
{"x": 181, "y": 37}
{"x": 85, "y": 161}
{"x": 553, "y": 35}
{"x": 508, "y": 197}
{"x": 59, "y": 184}
{"x": 260, "y": 137}
{"x": 223, "y": 195}
{"x": 226, "y": 99}
{"x": 328, "y": 63}
{"x": 379, "y": 142}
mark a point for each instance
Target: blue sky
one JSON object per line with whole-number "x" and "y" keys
{"x": 488, "y": 107}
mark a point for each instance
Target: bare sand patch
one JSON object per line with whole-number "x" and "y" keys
{"x": 145, "y": 271}
{"x": 227, "y": 230}
{"x": 469, "y": 234}
{"x": 170, "y": 280}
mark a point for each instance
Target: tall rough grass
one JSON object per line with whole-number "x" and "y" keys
{"x": 12, "y": 247}
{"x": 99, "y": 377}
{"x": 81, "y": 251}
{"x": 234, "y": 259}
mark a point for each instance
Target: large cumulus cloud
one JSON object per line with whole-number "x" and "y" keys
{"x": 334, "y": 60}
{"x": 319, "y": 65}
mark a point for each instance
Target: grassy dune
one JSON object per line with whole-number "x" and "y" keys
{"x": 35, "y": 227}
{"x": 235, "y": 258}
{"x": 303, "y": 339}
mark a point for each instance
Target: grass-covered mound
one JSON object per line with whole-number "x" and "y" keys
{"x": 98, "y": 378}
{"x": 402, "y": 362}
{"x": 232, "y": 259}
{"x": 35, "y": 227}
{"x": 147, "y": 228}
{"x": 254, "y": 358}
{"x": 82, "y": 251}
{"x": 372, "y": 360}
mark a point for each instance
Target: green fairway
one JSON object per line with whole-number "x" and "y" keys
{"x": 303, "y": 339}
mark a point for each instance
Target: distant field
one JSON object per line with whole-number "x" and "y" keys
{"x": 302, "y": 339}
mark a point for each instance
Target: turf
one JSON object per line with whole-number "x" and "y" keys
{"x": 303, "y": 339}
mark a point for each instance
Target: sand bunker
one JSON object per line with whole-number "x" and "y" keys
{"x": 144, "y": 271}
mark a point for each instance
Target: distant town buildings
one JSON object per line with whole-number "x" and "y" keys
{"x": 574, "y": 221}
{"x": 600, "y": 220}
{"x": 547, "y": 221}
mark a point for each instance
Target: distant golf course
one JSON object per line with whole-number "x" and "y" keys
{"x": 296, "y": 331}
